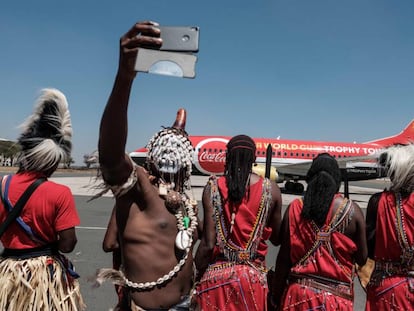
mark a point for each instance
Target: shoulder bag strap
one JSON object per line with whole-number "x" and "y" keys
{"x": 14, "y": 213}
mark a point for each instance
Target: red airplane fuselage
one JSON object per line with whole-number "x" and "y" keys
{"x": 210, "y": 153}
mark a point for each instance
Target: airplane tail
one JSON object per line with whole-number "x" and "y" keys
{"x": 403, "y": 138}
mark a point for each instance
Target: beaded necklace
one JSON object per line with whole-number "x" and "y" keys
{"x": 230, "y": 250}
{"x": 407, "y": 254}
{"x": 323, "y": 235}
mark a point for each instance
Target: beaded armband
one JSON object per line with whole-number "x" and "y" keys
{"x": 120, "y": 190}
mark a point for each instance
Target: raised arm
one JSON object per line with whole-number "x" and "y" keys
{"x": 115, "y": 166}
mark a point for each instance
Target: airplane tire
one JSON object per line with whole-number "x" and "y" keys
{"x": 298, "y": 188}
{"x": 289, "y": 186}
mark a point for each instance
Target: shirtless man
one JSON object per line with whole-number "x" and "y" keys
{"x": 152, "y": 208}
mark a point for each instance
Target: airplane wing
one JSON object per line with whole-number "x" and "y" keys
{"x": 295, "y": 171}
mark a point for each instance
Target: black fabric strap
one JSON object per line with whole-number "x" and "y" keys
{"x": 14, "y": 213}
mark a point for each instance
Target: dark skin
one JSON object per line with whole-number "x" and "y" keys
{"x": 67, "y": 240}
{"x": 208, "y": 240}
{"x": 111, "y": 244}
{"x": 355, "y": 231}
{"x": 146, "y": 229}
{"x": 371, "y": 222}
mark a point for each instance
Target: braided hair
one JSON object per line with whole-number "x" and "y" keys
{"x": 324, "y": 180}
{"x": 240, "y": 157}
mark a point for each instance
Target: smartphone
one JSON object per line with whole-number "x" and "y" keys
{"x": 180, "y": 38}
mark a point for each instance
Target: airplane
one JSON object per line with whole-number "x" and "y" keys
{"x": 291, "y": 159}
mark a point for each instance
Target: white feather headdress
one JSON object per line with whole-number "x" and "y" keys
{"x": 399, "y": 162}
{"x": 47, "y": 133}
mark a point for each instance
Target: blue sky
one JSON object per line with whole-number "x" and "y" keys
{"x": 298, "y": 69}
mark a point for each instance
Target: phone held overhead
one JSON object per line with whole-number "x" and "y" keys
{"x": 176, "y": 56}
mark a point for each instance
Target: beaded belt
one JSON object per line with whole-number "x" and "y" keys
{"x": 394, "y": 268}
{"x": 47, "y": 250}
{"x": 334, "y": 287}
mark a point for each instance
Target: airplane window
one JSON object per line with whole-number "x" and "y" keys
{"x": 263, "y": 153}
{"x": 291, "y": 154}
{"x": 285, "y": 153}
{"x": 273, "y": 153}
{"x": 308, "y": 155}
{"x": 209, "y": 150}
{"x": 278, "y": 153}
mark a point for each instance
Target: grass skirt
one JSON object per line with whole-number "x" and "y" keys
{"x": 36, "y": 284}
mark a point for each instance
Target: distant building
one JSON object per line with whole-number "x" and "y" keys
{"x": 92, "y": 159}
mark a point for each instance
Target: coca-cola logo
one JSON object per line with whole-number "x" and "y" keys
{"x": 210, "y": 155}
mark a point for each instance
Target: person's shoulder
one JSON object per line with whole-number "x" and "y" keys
{"x": 377, "y": 196}
{"x": 50, "y": 185}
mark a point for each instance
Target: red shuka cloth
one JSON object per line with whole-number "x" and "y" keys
{"x": 394, "y": 292}
{"x": 338, "y": 266}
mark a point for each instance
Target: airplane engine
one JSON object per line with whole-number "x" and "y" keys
{"x": 260, "y": 170}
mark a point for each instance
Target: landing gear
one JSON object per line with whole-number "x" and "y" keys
{"x": 294, "y": 187}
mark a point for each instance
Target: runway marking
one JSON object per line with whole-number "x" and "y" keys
{"x": 91, "y": 228}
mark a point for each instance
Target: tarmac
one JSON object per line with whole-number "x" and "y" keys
{"x": 88, "y": 255}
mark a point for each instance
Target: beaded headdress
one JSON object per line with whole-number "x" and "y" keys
{"x": 46, "y": 134}
{"x": 170, "y": 150}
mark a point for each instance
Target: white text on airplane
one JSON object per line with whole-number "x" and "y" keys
{"x": 207, "y": 156}
{"x": 319, "y": 148}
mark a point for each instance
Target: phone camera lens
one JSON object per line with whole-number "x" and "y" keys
{"x": 186, "y": 38}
